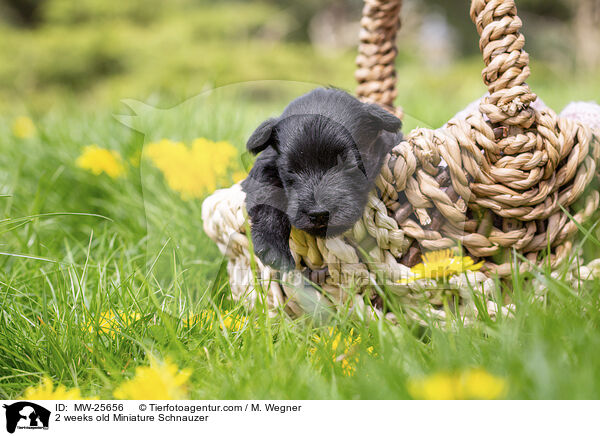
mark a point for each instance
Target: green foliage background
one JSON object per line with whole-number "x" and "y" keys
{"x": 100, "y": 51}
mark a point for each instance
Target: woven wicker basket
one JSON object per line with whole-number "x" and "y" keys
{"x": 504, "y": 175}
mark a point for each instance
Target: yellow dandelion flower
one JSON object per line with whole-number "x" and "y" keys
{"x": 158, "y": 381}
{"x": 46, "y": 391}
{"x": 23, "y": 127}
{"x": 97, "y": 160}
{"x": 232, "y": 321}
{"x": 204, "y": 319}
{"x": 341, "y": 347}
{"x": 192, "y": 171}
{"x": 110, "y": 322}
{"x": 480, "y": 384}
{"x": 475, "y": 384}
{"x": 441, "y": 264}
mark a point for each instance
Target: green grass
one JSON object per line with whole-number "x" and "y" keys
{"x": 74, "y": 245}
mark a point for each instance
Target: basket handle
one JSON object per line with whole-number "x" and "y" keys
{"x": 506, "y": 63}
{"x": 501, "y": 43}
{"x": 376, "y": 70}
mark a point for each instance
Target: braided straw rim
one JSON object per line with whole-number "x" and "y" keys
{"x": 511, "y": 168}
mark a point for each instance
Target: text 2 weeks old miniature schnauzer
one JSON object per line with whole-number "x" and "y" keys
{"x": 317, "y": 163}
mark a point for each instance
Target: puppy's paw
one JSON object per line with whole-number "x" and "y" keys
{"x": 270, "y": 236}
{"x": 275, "y": 257}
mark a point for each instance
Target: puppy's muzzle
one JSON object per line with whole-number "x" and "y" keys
{"x": 319, "y": 218}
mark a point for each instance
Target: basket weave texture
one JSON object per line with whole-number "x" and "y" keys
{"x": 509, "y": 174}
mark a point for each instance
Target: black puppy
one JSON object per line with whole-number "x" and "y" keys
{"x": 318, "y": 162}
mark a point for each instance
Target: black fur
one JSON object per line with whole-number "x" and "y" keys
{"x": 318, "y": 162}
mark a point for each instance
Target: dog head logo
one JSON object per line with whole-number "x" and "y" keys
{"x": 26, "y": 415}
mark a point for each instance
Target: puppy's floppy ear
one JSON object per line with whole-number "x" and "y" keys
{"x": 262, "y": 137}
{"x": 383, "y": 119}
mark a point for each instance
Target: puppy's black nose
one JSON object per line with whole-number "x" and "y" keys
{"x": 319, "y": 218}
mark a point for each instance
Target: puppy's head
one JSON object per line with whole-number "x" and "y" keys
{"x": 329, "y": 148}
